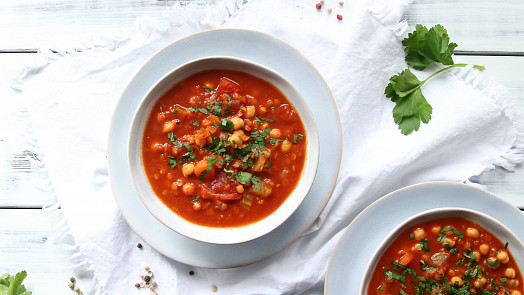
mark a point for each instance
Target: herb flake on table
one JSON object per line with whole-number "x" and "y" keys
{"x": 422, "y": 47}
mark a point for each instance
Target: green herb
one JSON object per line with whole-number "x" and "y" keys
{"x": 209, "y": 90}
{"x": 195, "y": 123}
{"x": 195, "y": 199}
{"x": 226, "y": 125}
{"x": 449, "y": 228}
{"x": 505, "y": 247}
{"x": 202, "y": 110}
{"x": 297, "y": 136}
{"x": 422, "y": 47}
{"x": 264, "y": 119}
{"x": 12, "y": 285}
{"x": 172, "y": 162}
{"x": 172, "y": 137}
{"x": 273, "y": 141}
{"x": 424, "y": 245}
{"x": 174, "y": 112}
{"x": 210, "y": 162}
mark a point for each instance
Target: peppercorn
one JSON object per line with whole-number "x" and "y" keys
{"x": 191, "y": 273}
{"x": 339, "y": 17}
{"x": 139, "y": 246}
{"x": 137, "y": 285}
{"x": 72, "y": 279}
{"x": 147, "y": 279}
{"x": 319, "y": 5}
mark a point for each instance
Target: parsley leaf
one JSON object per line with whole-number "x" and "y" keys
{"x": 422, "y": 48}
{"x": 12, "y": 285}
{"x": 411, "y": 106}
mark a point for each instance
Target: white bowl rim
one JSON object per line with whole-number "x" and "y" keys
{"x": 437, "y": 213}
{"x": 232, "y": 235}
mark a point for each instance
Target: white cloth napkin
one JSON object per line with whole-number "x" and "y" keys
{"x": 71, "y": 96}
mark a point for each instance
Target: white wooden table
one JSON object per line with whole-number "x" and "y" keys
{"x": 489, "y": 32}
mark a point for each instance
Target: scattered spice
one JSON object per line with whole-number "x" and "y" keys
{"x": 74, "y": 287}
{"x": 191, "y": 273}
{"x": 139, "y": 246}
{"x": 341, "y": 3}
{"x": 329, "y": 10}
{"x": 147, "y": 280}
{"x": 214, "y": 288}
{"x": 339, "y": 17}
{"x": 319, "y": 5}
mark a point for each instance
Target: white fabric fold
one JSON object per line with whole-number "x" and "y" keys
{"x": 71, "y": 98}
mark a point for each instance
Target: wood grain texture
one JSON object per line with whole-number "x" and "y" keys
{"x": 36, "y": 24}
{"x": 495, "y": 27}
{"x": 27, "y": 244}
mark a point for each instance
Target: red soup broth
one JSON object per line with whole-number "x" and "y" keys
{"x": 447, "y": 256}
{"x": 223, "y": 148}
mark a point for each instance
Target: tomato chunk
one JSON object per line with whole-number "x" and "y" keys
{"x": 227, "y": 86}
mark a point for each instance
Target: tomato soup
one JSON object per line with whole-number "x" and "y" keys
{"x": 223, "y": 148}
{"x": 447, "y": 256}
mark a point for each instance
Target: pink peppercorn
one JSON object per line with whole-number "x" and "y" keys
{"x": 319, "y": 5}
{"x": 339, "y": 17}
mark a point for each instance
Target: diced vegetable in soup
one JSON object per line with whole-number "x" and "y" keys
{"x": 447, "y": 256}
{"x": 223, "y": 148}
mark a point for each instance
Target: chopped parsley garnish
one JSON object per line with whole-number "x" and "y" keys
{"x": 297, "y": 136}
{"x": 207, "y": 89}
{"x": 172, "y": 162}
{"x": 195, "y": 199}
{"x": 172, "y": 137}
{"x": 195, "y": 123}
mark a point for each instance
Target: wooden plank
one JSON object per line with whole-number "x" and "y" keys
{"x": 22, "y": 183}
{"x": 475, "y": 25}
{"x": 27, "y": 244}
{"x": 65, "y": 24}
{"x": 34, "y": 24}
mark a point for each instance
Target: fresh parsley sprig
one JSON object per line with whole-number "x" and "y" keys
{"x": 423, "y": 47}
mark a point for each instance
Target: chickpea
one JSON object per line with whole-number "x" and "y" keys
{"x": 174, "y": 186}
{"x": 515, "y": 292}
{"x": 477, "y": 255}
{"x": 456, "y": 280}
{"x": 275, "y": 133}
{"x": 484, "y": 249}
{"x": 188, "y": 189}
{"x": 435, "y": 230}
{"x": 513, "y": 283}
{"x": 480, "y": 282}
{"x": 419, "y": 234}
{"x": 503, "y": 257}
{"x": 491, "y": 262}
{"x": 237, "y": 123}
{"x": 448, "y": 241}
{"x": 168, "y": 127}
{"x": 250, "y": 112}
{"x": 200, "y": 142}
{"x": 240, "y": 188}
{"x": 197, "y": 206}
{"x": 286, "y": 145}
{"x": 472, "y": 232}
{"x": 510, "y": 273}
{"x": 235, "y": 140}
{"x": 188, "y": 169}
